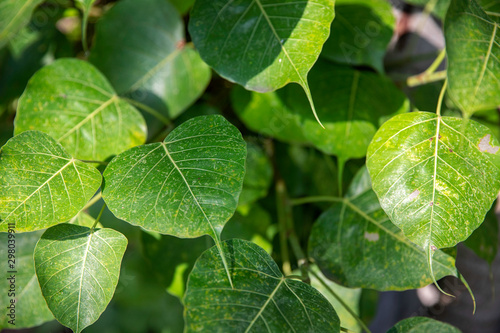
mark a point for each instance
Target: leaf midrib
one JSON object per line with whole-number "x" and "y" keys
{"x": 257, "y": 316}
{"x": 5, "y": 31}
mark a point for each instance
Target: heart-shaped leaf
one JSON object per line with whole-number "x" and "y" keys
{"x": 422, "y": 325}
{"x": 354, "y": 239}
{"x": 473, "y": 49}
{"x": 436, "y": 177}
{"x": 30, "y": 308}
{"x": 261, "y": 44}
{"x": 78, "y": 269}
{"x": 262, "y": 299}
{"x": 186, "y": 186}
{"x": 14, "y": 14}
{"x": 41, "y": 184}
{"x": 362, "y": 29}
{"x": 74, "y": 103}
{"x": 140, "y": 47}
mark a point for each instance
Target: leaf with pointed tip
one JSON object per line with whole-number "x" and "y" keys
{"x": 422, "y": 325}
{"x": 186, "y": 186}
{"x": 74, "y": 103}
{"x": 436, "y": 177}
{"x": 361, "y": 31}
{"x": 41, "y": 185}
{"x": 473, "y": 49}
{"x": 262, "y": 299}
{"x": 78, "y": 269}
{"x": 261, "y": 44}
{"x": 31, "y": 309}
{"x": 14, "y": 15}
{"x": 169, "y": 76}
{"x": 353, "y": 241}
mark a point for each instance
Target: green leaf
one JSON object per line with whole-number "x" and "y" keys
{"x": 73, "y": 102}
{"x": 436, "y": 177}
{"x": 14, "y": 15}
{"x": 42, "y": 184}
{"x": 258, "y": 176}
{"x": 362, "y": 29}
{"x": 84, "y": 6}
{"x": 492, "y": 8}
{"x": 186, "y": 186}
{"x": 30, "y": 307}
{"x": 484, "y": 240}
{"x": 262, "y": 44}
{"x": 262, "y": 299}
{"x": 439, "y": 7}
{"x": 169, "y": 76}
{"x": 473, "y": 49}
{"x": 422, "y": 325}
{"x": 182, "y": 6}
{"x": 354, "y": 239}
{"x": 78, "y": 269}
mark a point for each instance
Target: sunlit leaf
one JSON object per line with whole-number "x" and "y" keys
{"x": 140, "y": 47}
{"x": 41, "y": 184}
{"x": 353, "y": 241}
{"x": 473, "y": 49}
{"x": 262, "y": 299}
{"x": 30, "y": 308}
{"x": 14, "y": 14}
{"x": 187, "y": 186}
{"x": 78, "y": 269}
{"x": 436, "y": 177}
{"x": 422, "y": 325}
{"x": 74, "y": 103}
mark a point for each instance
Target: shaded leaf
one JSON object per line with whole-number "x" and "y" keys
{"x": 422, "y": 325}
{"x": 484, "y": 240}
{"x": 14, "y": 15}
{"x": 73, "y": 102}
{"x": 78, "y": 270}
{"x": 140, "y": 47}
{"x": 30, "y": 307}
{"x": 41, "y": 184}
{"x": 436, "y": 177}
{"x": 354, "y": 241}
{"x": 473, "y": 49}
{"x": 186, "y": 186}
{"x": 262, "y": 299}
{"x": 439, "y": 9}
{"x": 361, "y": 31}
{"x": 182, "y": 6}
{"x": 258, "y": 176}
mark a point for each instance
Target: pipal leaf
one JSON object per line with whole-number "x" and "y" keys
{"x": 261, "y": 44}
{"x": 186, "y": 186}
{"x": 258, "y": 175}
{"x": 353, "y": 241}
{"x": 422, "y": 325}
{"x": 436, "y": 177}
{"x": 74, "y": 103}
{"x": 14, "y": 15}
{"x": 140, "y": 47}
{"x": 361, "y": 31}
{"x": 473, "y": 49}
{"x": 78, "y": 269}
{"x": 262, "y": 299}
{"x": 30, "y": 308}
{"x": 41, "y": 184}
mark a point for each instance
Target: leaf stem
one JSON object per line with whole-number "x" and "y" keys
{"x": 441, "y": 96}
{"x": 313, "y": 199}
{"x": 340, "y": 300}
{"x": 282, "y": 223}
{"x": 92, "y": 201}
{"x": 424, "y": 78}
{"x": 435, "y": 64}
{"x": 223, "y": 257}
{"x": 84, "y": 33}
{"x": 92, "y": 161}
{"x": 98, "y": 217}
{"x": 340, "y": 173}
{"x": 148, "y": 109}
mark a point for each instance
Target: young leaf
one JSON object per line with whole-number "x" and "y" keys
{"x": 362, "y": 29}
{"x": 355, "y": 238}
{"x": 41, "y": 185}
{"x": 186, "y": 186}
{"x": 473, "y": 49}
{"x": 160, "y": 70}
{"x": 422, "y": 325}
{"x": 78, "y": 269}
{"x": 436, "y": 177}
{"x": 261, "y": 44}
{"x": 14, "y": 15}
{"x": 262, "y": 299}
{"x": 74, "y": 103}
{"x": 30, "y": 307}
